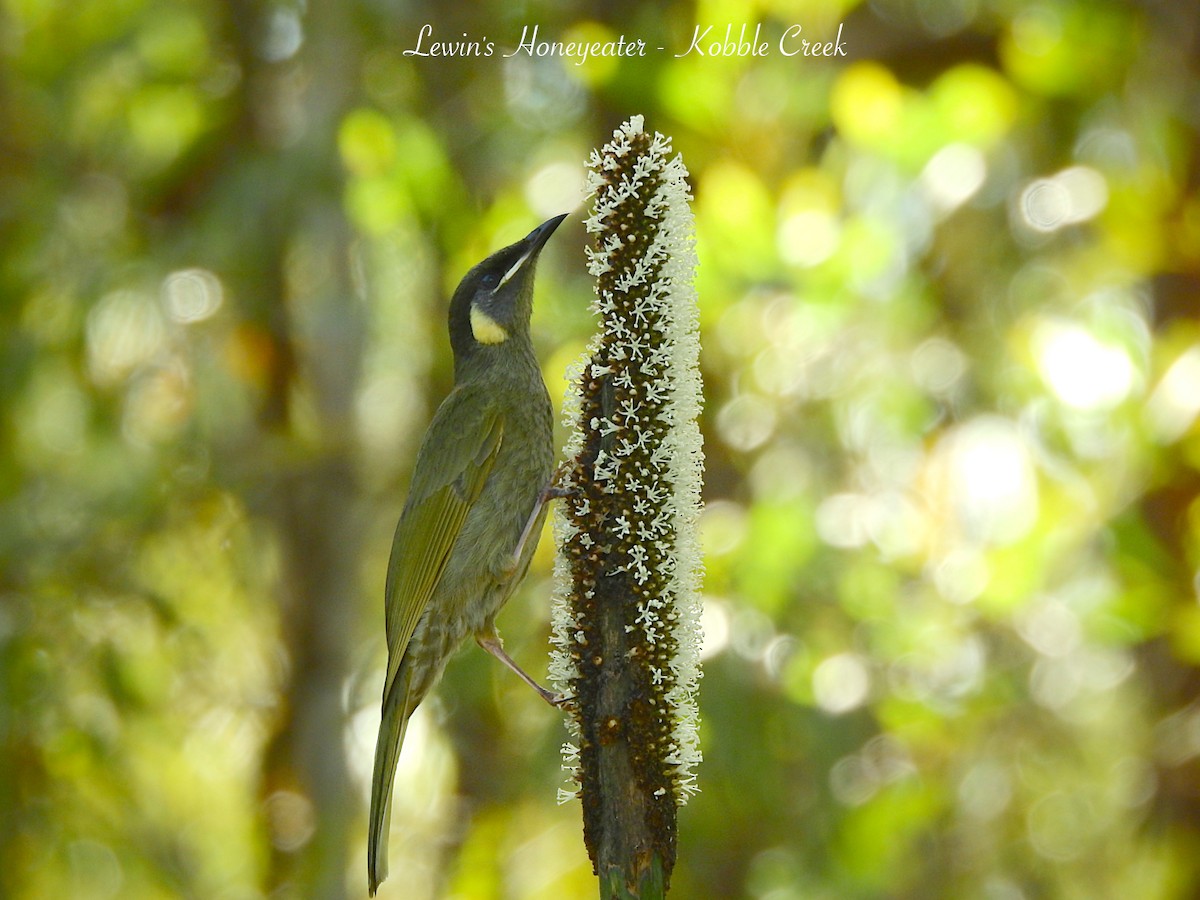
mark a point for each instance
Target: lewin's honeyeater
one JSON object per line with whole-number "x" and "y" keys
{"x": 475, "y": 507}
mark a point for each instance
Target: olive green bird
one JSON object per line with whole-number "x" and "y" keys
{"x": 475, "y": 507}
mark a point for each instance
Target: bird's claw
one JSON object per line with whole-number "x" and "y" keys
{"x": 556, "y": 489}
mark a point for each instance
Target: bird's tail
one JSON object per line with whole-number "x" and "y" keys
{"x": 396, "y": 711}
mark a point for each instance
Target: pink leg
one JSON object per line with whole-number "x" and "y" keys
{"x": 549, "y": 492}
{"x": 493, "y": 645}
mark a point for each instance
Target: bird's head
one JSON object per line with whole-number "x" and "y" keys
{"x": 494, "y": 300}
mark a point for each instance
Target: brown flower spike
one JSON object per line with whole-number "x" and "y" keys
{"x": 627, "y": 606}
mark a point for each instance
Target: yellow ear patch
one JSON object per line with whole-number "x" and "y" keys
{"x": 486, "y": 329}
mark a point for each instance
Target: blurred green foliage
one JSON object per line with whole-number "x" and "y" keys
{"x": 949, "y": 289}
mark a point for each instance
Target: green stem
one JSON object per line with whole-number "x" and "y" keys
{"x": 651, "y": 885}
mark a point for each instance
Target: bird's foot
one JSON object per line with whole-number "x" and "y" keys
{"x": 553, "y": 491}
{"x": 493, "y": 645}
{"x": 560, "y": 485}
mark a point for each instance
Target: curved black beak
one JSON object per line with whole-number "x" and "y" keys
{"x": 531, "y": 245}
{"x": 538, "y": 237}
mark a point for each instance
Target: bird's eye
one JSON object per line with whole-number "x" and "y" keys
{"x": 490, "y": 280}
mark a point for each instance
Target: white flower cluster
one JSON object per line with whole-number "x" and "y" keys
{"x": 636, "y": 404}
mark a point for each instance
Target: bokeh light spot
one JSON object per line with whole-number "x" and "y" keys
{"x": 555, "y": 187}
{"x": 953, "y": 176}
{"x": 192, "y": 295}
{"x": 1073, "y": 195}
{"x": 987, "y": 479}
{"x": 1083, "y": 371}
{"x": 1175, "y": 402}
{"x": 746, "y": 422}
{"x": 841, "y": 683}
{"x": 291, "y": 819}
{"x": 124, "y": 330}
{"x": 808, "y": 237}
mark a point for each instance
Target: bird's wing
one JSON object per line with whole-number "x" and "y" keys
{"x": 452, "y": 467}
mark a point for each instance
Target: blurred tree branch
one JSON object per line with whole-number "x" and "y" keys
{"x": 293, "y": 277}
